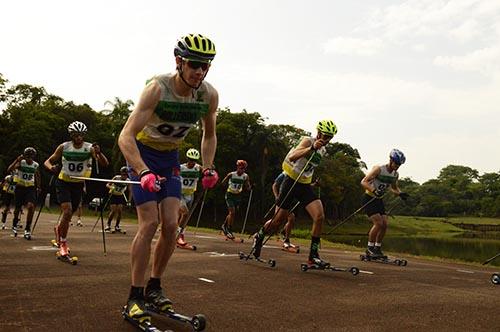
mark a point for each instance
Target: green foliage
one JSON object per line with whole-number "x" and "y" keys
{"x": 30, "y": 116}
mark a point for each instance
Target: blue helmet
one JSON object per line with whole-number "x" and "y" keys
{"x": 397, "y": 156}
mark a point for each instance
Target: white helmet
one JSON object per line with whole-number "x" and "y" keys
{"x": 77, "y": 127}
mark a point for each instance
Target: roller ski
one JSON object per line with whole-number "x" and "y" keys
{"x": 118, "y": 230}
{"x": 230, "y": 237}
{"x": 318, "y": 264}
{"x": 376, "y": 255}
{"x": 270, "y": 262}
{"x": 158, "y": 303}
{"x": 14, "y": 231}
{"x": 254, "y": 254}
{"x": 136, "y": 314}
{"x": 182, "y": 244}
{"x": 495, "y": 278}
{"x": 63, "y": 254}
{"x": 288, "y": 247}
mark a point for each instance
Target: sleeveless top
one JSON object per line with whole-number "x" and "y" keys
{"x": 236, "y": 182}
{"x": 189, "y": 178}
{"x": 294, "y": 168}
{"x": 117, "y": 189}
{"x": 26, "y": 173}
{"x": 174, "y": 115}
{"x": 383, "y": 180}
{"x": 76, "y": 162}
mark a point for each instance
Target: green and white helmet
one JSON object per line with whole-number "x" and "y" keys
{"x": 327, "y": 127}
{"x": 193, "y": 154}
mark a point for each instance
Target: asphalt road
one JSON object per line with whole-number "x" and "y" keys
{"x": 40, "y": 293}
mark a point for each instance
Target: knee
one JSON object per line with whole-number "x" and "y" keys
{"x": 148, "y": 230}
{"x": 168, "y": 228}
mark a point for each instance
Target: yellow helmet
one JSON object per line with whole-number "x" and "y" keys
{"x": 327, "y": 127}
{"x": 195, "y": 47}
{"x": 193, "y": 154}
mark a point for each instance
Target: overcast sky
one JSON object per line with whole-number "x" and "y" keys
{"x": 422, "y": 76}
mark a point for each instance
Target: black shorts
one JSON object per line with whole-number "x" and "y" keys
{"x": 69, "y": 192}
{"x": 7, "y": 198}
{"x": 24, "y": 195}
{"x": 117, "y": 200}
{"x": 374, "y": 207}
{"x": 301, "y": 192}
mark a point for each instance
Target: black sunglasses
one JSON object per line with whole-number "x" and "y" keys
{"x": 197, "y": 64}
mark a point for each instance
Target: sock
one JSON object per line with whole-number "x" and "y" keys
{"x": 136, "y": 293}
{"x": 63, "y": 239}
{"x": 153, "y": 283}
{"x": 371, "y": 244}
{"x": 378, "y": 244}
{"x": 315, "y": 241}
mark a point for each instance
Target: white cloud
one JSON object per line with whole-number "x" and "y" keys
{"x": 468, "y": 31}
{"x": 485, "y": 61}
{"x": 353, "y": 46}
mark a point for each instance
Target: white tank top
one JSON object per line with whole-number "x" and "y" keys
{"x": 189, "y": 178}
{"x": 293, "y": 169}
{"x": 236, "y": 182}
{"x": 383, "y": 180}
{"x": 174, "y": 115}
{"x": 26, "y": 173}
{"x": 118, "y": 189}
{"x": 76, "y": 162}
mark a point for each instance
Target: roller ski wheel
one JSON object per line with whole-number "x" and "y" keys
{"x": 121, "y": 231}
{"x": 73, "y": 260}
{"x": 270, "y": 262}
{"x": 383, "y": 260}
{"x": 495, "y": 278}
{"x": 234, "y": 238}
{"x": 198, "y": 322}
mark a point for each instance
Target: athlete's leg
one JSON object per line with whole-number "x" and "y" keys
{"x": 231, "y": 211}
{"x": 148, "y": 219}
{"x": 111, "y": 214}
{"x": 118, "y": 212}
{"x": 63, "y": 225}
{"x": 29, "y": 218}
{"x": 316, "y": 211}
{"x": 289, "y": 225}
{"x": 377, "y": 228}
{"x": 169, "y": 210}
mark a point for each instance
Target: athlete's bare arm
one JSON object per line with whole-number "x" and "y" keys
{"x": 366, "y": 182}
{"x": 225, "y": 179}
{"x": 209, "y": 139}
{"x": 99, "y": 156}
{"x": 15, "y": 164}
{"x": 51, "y": 163}
{"x": 248, "y": 186}
{"x": 395, "y": 188}
{"x": 137, "y": 120}
{"x": 304, "y": 148}
{"x": 276, "y": 190}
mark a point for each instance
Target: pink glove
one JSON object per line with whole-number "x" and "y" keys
{"x": 150, "y": 181}
{"x": 210, "y": 178}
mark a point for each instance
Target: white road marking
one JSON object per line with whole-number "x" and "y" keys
{"x": 205, "y": 237}
{"x": 218, "y": 254}
{"x": 465, "y": 271}
{"x": 206, "y": 280}
{"x": 43, "y": 248}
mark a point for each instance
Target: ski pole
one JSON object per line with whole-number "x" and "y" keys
{"x": 284, "y": 200}
{"x": 101, "y": 208}
{"x": 102, "y": 224}
{"x": 201, "y": 209}
{"x": 352, "y": 215}
{"x": 41, "y": 204}
{"x": 246, "y": 214}
{"x": 492, "y": 258}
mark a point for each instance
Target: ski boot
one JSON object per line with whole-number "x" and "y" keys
{"x": 63, "y": 248}
{"x": 225, "y": 230}
{"x": 371, "y": 252}
{"x": 181, "y": 243}
{"x": 119, "y": 230}
{"x": 317, "y": 263}
{"x": 379, "y": 253}
{"x": 3, "y": 226}
{"x": 14, "y": 231}
{"x": 108, "y": 229}
{"x": 257, "y": 245}
{"x": 79, "y": 223}
{"x": 157, "y": 301}
{"x": 27, "y": 234}
{"x": 287, "y": 246}
{"x": 136, "y": 313}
